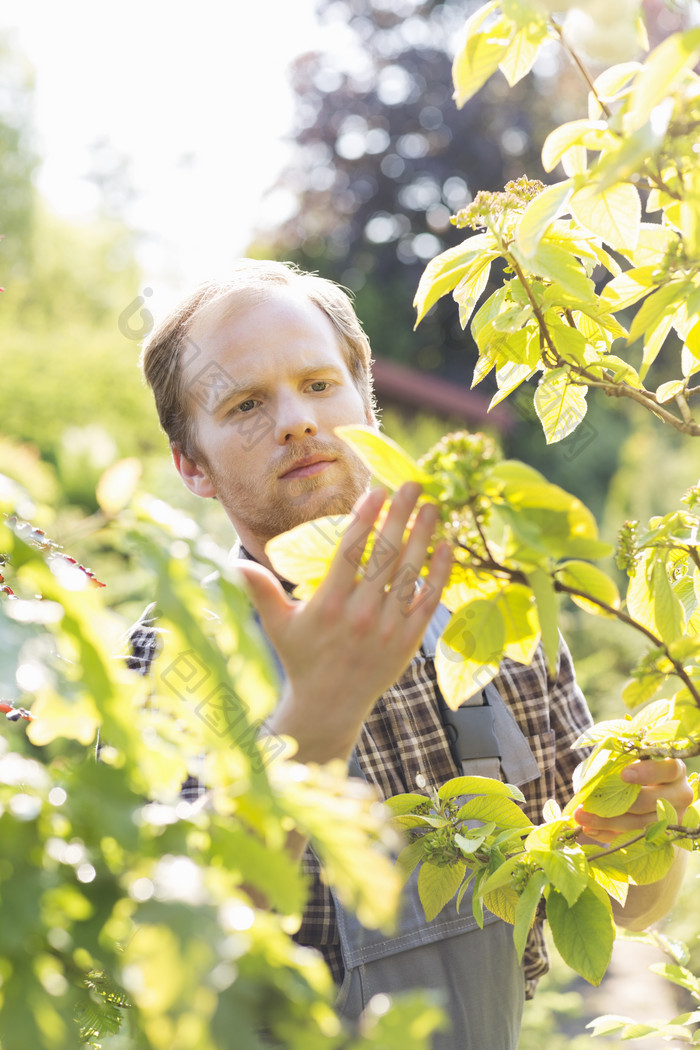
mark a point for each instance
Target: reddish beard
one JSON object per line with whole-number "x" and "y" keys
{"x": 270, "y": 505}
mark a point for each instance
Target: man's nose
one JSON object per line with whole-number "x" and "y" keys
{"x": 294, "y": 421}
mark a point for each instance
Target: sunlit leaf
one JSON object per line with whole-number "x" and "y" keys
{"x": 540, "y": 212}
{"x": 522, "y": 52}
{"x": 547, "y": 612}
{"x": 502, "y": 811}
{"x": 582, "y": 576}
{"x": 560, "y": 404}
{"x": 566, "y": 870}
{"x": 628, "y": 288}
{"x": 612, "y": 797}
{"x": 470, "y": 287}
{"x": 667, "y": 391}
{"x": 470, "y": 650}
{"x": 583, "y": 933}
{"x": 502, "y": 902}
{"x": 592, "y": 134}
{"x": 438, "y": 885}
{"x": 613, "y": 215}
{"x": 481, "y": 54}
{"x": 445, "y": 271}
{"x": 661, "y": 69}
{"x": 387, "y": 460}
{"x": 303, "y": 554}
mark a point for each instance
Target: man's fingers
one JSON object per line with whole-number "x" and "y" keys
{"x": 344, "y": 567}
{"x": 388, "y": 547}
{"x": 650, "y": 771}
{"x": 428, "y": 597}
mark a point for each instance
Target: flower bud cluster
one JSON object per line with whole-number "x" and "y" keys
{"x": 460, "y": 462}
{"x": 503, "y": 209}
{"x": 439, "y": 848}
{"x": 627, "y": 551}
{"x": 692, "y": 497}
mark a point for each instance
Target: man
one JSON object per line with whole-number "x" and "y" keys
{"x": 250, "y": 378}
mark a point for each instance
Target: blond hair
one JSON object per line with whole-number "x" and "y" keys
{"x": 252, "y": 282}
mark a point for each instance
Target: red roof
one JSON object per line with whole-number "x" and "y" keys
{"x": 399, "y": 383}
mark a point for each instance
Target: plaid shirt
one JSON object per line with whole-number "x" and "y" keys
{"x": 403, "y": 747}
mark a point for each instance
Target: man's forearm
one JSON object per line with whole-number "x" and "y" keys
{"x": 647, "y": 904}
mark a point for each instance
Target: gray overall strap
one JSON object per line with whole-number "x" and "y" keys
{"x": 484, "y": 737}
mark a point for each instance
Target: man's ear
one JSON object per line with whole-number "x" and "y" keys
{"x": 195, "y": 477}
{"x": 371, "y": 419}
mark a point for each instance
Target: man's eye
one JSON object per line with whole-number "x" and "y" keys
{"x": 320, "y": 385}
{"x": 245, "y": 406}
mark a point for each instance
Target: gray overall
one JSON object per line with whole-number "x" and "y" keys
{"x": 476, "y": 972}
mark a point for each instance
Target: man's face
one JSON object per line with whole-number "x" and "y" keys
{"x": 266, "y": 388}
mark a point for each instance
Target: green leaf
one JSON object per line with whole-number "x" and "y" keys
{"x": 608, "y": 1024}
{"x": 540, "y": 212}
{"x": 475, "y": 785}
{"x": 471, "y": 843}
{"x": 661, "y": 303}
{"x": 613, "y": 82}
{"x": 470, "y": 648}
{"x": 594, "y": 771}
{"x": 387, "y": 461}
{"x": 481, "y": 54}
{"x": 522, "y": 52}
{"x": 508, "y": 378}
{"x": 460, "y": 677}
{"x": 559, "y": 265}
{"x": 560, "y": 404}
{"x": 502, "y": 902}
{"x": 526, "y": 909}
{"x": 445, "y": 271}
{"x": 502, "y": 811}
{"x": 438, "y": 885}
{"x": 583, "y": 576}
{"x": 592, "y": 134}
{"x": 399, "y": 804}
{"x": 628, "y": 288}
{"x": 667, "y": 391}
{"x": 679, "y": 975}
{"x": 522, "y": 626}
{"x": 503, "y": 874}
{"x": 567, "y": 870}
{"x": 661, "y": 69}
{"x": 622, "y": 372}
{"x": 687, "y": 712}
{"x": 631, "y": 155}
{"x": 641, "y": 689}
{"x": 470, "y": 288}
{"x": 612, "y": 797}
{"x": 645, "y": 863}
{"x": 547, "y": 611}
{"x": 583, "y": 933}
{"x": 613, "y": 215}
{"x": 665, "y": 811}
{"x": 652, "y": 601}
{"x": 653, "y": 244}
{"x": 409, "y": 858}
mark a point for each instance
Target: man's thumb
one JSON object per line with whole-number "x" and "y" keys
{"x": 266, "y": 593}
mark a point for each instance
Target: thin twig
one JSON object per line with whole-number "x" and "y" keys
{"x": 582, "y": 69}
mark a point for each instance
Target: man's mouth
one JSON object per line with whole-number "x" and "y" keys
{"x": 307, "y": 468}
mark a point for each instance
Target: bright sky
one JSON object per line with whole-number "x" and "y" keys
{"x": 195, "y": 95}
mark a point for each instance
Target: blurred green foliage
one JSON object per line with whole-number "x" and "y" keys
{"x": 117, "y": 900}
